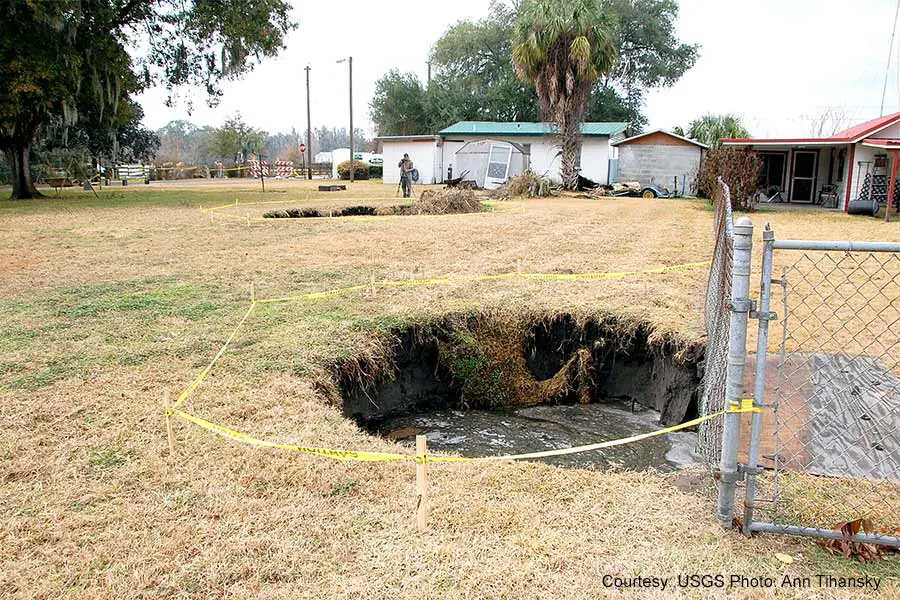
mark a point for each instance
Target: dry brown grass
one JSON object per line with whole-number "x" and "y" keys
{"x": 448, "y": 202}
{"x": 106, "y": 305}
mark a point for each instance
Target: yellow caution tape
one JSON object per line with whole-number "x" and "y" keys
{"x": 501, "y": 277}
{"x": 745, "y": 405}
{"x": 189, "y": 389}
{"x": 741, "y": 407}
{"x": 246, "y": 439}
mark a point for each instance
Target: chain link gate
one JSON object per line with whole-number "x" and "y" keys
{"x": 824, "y": 449}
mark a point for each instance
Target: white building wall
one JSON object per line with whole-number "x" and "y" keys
{"x": 338, "y": 155}
{"x": 595, "y": 155}
{"x": 545, "y": 159}
{"x": 448, "y": 151}
{"x": 421, "y": 152}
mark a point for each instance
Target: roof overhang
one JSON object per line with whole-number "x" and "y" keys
{"x": 884, "y": 144}
{"x": 406, "y": 138}
{"x": 669, "y": 133}
{"x": 786, "y": 142}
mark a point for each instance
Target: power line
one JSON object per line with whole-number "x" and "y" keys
{"x": 890, "y": 53}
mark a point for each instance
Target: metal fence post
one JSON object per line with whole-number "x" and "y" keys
{"x": 737, "y": 351}
{"x": 764, "y": 315}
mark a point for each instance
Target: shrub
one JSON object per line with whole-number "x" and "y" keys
{"x": 376, "y": 171}
{"x": 360, "y": 170}
{"x": 738, "y": 168}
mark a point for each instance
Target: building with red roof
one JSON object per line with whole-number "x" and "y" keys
{"x": 857, "y": 163}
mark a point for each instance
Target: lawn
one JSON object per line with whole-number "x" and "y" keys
{"x": 111, "y": 303}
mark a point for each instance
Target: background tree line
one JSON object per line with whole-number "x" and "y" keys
{"x": 234, "y": 142}
{"x": 473, "y": 76}
{"x": 76, "y": 149}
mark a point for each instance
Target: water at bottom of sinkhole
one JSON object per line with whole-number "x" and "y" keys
{"x": 516, "y": 431}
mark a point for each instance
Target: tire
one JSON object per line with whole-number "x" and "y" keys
{"x": 648, "y": 193}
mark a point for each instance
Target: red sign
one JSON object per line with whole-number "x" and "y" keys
{"x": 302, "y": 148}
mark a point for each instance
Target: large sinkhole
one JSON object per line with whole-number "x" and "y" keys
{"x": 480, "y": 385}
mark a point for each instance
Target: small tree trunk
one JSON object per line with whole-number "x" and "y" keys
{"x": 22, "y": 185}
{"x": 569, "y": 158}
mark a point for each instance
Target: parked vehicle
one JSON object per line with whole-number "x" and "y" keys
{"x": 634, "y": 189}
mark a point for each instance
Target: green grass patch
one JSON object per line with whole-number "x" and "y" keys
{"x": 63, "y": 334}
{"x": 77, "y": 367}
{"x": 165, "y": 298}
{"x": 106, "y": 457}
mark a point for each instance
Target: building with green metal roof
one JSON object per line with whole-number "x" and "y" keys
{"x": 440, "y": 157}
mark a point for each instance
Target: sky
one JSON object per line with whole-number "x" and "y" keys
{"x": 778, "y": 64}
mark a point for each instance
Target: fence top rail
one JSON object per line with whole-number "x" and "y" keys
{"x": 847, "y": 246}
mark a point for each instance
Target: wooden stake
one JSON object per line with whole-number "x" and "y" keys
{"x": 421, "y": 484}
{"x": 372, "y": 284}
{"x": 519, "y": 266}
{"x": 166, "y": 407}
{"x": 248, "y": 219}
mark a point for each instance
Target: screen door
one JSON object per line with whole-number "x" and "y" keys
{"x": 803, "y": 181}
{"x": 498, "y": 166}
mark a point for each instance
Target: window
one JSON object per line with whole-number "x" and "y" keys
{"x": 772, "y": 172}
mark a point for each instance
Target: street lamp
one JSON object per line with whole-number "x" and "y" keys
{"x": 350, "y": 61}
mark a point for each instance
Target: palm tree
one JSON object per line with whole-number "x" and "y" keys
{"x": 562, "y": 48}
{"x": 712, "y": 129}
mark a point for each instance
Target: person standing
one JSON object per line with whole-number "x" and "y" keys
{"x": 406, "y": 169}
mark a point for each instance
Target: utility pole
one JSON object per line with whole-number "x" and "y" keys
{"x": 429, "y": 72}
{"x": 890, "y": 52}
{"x": 351, "y": 120}
{"x": 309, "y": 148}
{"x": 350, "y": 60}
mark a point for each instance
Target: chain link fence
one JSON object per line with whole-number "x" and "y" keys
{"x": 718, "y": 316}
